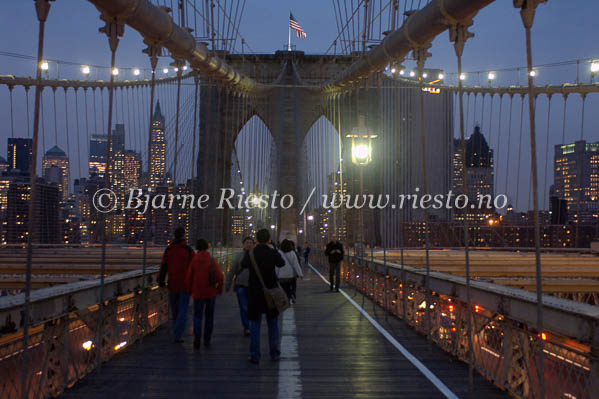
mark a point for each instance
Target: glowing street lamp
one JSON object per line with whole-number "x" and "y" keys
{"x": 463, "y": 76}
{"x": 533, "y": 73}
{"x": 361, "y": 141}
{"x": 44, "y": 66}
{"x": 441, "y": 76}
{"x": 165, "y": 70}
{"x": 85, "y": 70}
{"x": 115, "y": 71}
{"x": 491, "y": 77}
{"x": 594, "y": 69}
{"x": 136, "y": 72}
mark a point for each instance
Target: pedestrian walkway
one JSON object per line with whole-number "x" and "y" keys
{"x": 329, "y": 348}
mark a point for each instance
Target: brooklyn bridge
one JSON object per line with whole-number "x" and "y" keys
{"x": 463, "y": 190}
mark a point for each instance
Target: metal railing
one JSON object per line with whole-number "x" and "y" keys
{"x": 504, "y": 336}
{"x": 67, "y": 340}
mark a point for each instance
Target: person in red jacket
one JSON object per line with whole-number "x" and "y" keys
{"x": 175, "y": 262}
{"x": 204, "y": 282}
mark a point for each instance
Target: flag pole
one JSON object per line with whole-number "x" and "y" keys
{"x": 289, "y": 27}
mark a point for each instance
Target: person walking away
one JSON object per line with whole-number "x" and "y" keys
{"x": 204, "y": 284}
{"x": 175, "y": 262}
{"x": 291, "y": 271}
{"x": 306, "y": 253}
{"x": 267, "y": 259}
{"x": 238, "y": 278}
{"x": 334, "y": 251}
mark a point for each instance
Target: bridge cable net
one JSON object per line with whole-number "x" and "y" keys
{"x": 539, "y": 357}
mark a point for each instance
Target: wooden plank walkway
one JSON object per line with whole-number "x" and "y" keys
{"x": 329, "y": 350}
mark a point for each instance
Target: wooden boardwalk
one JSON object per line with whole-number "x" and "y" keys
{"x": 329, "y": 350}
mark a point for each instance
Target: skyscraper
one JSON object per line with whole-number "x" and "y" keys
{"x": 19, "y": 153}
{"x": 118, "y": 138}
{"x": 98, "y": 145}
{"x": 55, "y": 169}
{"x": 479, "y": 175}
{"x": 157, "y": 148}
{"x": 576, "y": 179}
{"x": 46, "y": 227}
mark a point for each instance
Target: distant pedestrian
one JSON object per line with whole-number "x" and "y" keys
{"x": 306, "y": 253}
{"x": 335, "y": 253}
{"x": 289, "y": 273}
{"x": 266, "y": 258}
{"x": 175, "y": 263}
{"x": 238, "y": 277}
{"x": 204, "y": 282}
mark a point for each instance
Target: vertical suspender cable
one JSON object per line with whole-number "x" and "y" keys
{"x": 546, "y": 151}
{"x": 42, "y": 9}
{"x": 527, "y": 13}
{"x": 66, "y": 115}
{"x": 28, "y": 117}
{"x": 176, "y": 155}
{"x": 12, "y": 122}
{"x": 77, "y": 132}
{"x": 113, "y": 30}
{"x": 152, "y": 52}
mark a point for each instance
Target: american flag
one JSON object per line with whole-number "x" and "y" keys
{"x": 293, "y": 24}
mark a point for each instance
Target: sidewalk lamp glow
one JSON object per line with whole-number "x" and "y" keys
{"x": 463, "y": 76}
{"x": 393, "y": 70}
{"x": 491, "y": 76}
{"x": 441, "y": 76}
{"x": 184, "y": 67}
{"x": 176, "y": 69}
{"x": 272, "y": 226}
{"x": 533, "y": 73}
{"x": 412, "y": 74}
{"x": 115, "y": 71}
{"x": 136, "y": 71}
{"x": 44, "y": 65}
{"x": 85, "y": 70}
{"x": 595, "y": 66}
{"x": 310, "y": 217}
{"x": 402, "y": 72}
{"x": 425, "y": 75}
{"x": 165, "y": 70}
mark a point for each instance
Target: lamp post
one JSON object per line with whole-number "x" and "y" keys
{"x": 361, "y": 150}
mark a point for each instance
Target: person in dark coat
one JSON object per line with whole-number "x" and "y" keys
{"x": 334, "y": 251}
{"x": 175, "y": 262}
{"x": 267, "y": 258}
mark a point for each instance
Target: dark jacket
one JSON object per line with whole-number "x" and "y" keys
{"x": 198, "y": 280}
{"x": 334, "y": 251}
{"x": 175, "y": 261}
{"x": 267, "y": 259}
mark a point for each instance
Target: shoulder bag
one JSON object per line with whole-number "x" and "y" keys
{"x": 276, "y": 298}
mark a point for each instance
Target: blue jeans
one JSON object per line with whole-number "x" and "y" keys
{"x": 273, "y": 338}
{"x": 199, "y": 306}
{"x": 179, "y": 305}
{"x": 242, "y": 299}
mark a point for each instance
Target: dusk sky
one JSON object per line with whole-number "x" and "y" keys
{"x": 562, "y": 32}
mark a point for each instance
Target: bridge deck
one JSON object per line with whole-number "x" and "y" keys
{"x": 329, "y": 349}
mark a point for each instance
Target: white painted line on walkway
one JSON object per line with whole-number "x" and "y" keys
{"x": 290, "y": 383}
{"x": 417, "y": 363}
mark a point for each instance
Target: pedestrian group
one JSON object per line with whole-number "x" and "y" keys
{"x": 263, "y": 277}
